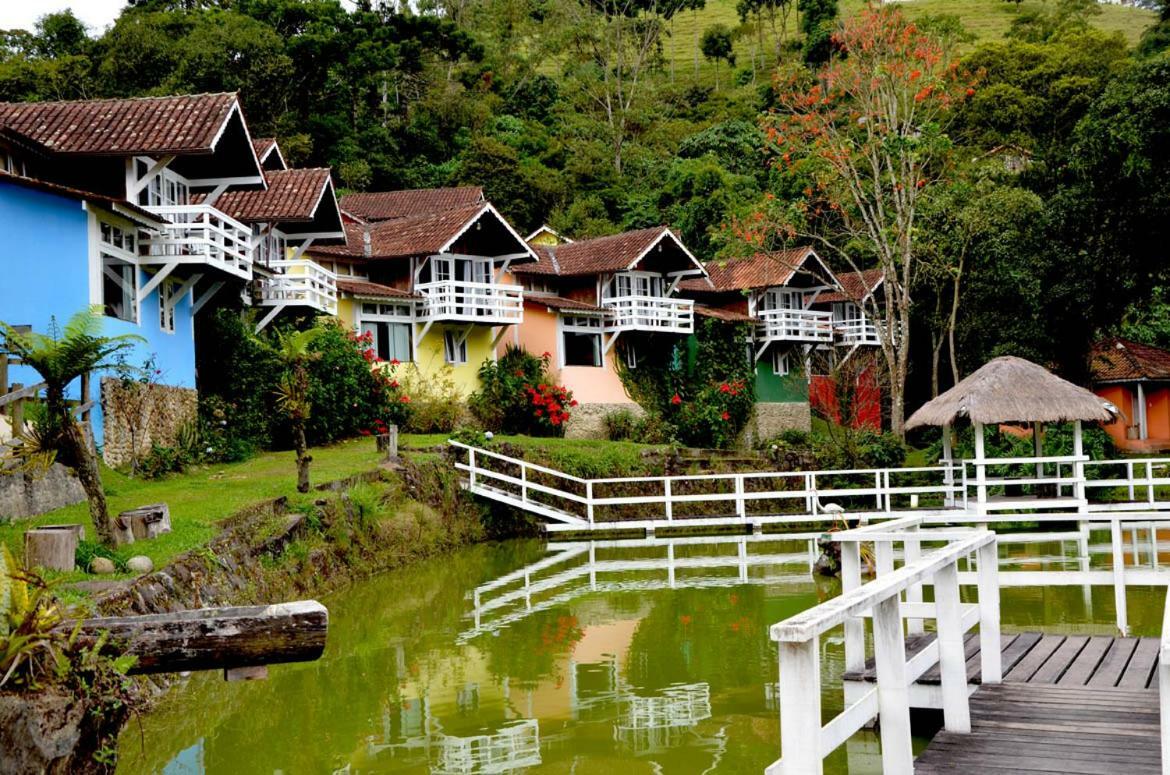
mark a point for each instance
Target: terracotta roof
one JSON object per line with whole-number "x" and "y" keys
{"x": 387, "y": 205}
{"x": 149, "y": 125}
{"x": 762, "y": 270}
{"x": 561, "y": 304}
{"x": 292, "y": 195}
{"x": 365, "y": 288}
{"x": 1120, "y": 360}
{"x": 855, "y": 286}
{"x": 595, "y": 256}
{"x": 727, "y": 315}
{"x": 77, "y": 193}
{"x": 262, "y": 145}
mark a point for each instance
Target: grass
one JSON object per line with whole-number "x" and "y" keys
{"x": 987, "y": 20}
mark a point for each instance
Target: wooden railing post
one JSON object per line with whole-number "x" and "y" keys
{"x": 893, "y": 694}
{"x": 800, "y": 687}
{"x": 1150, "y": 482}
{"x": 471, "y": 468}
{"x": 589, "y": 501}
{"x": 3, "y": 374}
{"x": 17, "y": 413}
{"x": 854, "y": 626}
{"x": 1119, "y": 601}
{"x": 912, "y": 550}
{"x": 524, "y": 484}
{"x": 740, "y": 504}
{"x": 952, "y": 661}
{"x": 667, "y": 504}
{"x": 991, "y": 661}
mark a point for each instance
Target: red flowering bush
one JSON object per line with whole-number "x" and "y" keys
{"x": 519, "y": 395}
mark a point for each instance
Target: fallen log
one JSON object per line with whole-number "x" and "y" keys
{"x": 214, "y": 638}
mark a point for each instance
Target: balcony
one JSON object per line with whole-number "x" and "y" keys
{"x": 650, "y": 313}
{"x": 853, "y": 333}
{"x": 456, "y": 301}
{"x": 200, "y": 235}
{"x": 299, "y": 282}
{"x": 794, "y": 325}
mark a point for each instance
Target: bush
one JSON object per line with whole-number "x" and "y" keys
{"x": 620, "y": 425}
{"x": 518, "y": 395}
{"x": 435, "y": 404}
{"x": 347, "y": 390}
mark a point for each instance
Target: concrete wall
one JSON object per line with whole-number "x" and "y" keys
{"x": 24, "y": 495}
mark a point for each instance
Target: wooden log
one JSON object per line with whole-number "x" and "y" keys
{"x": 145, "y": 522}
{"x": 215, "y": 638}
{"x": 52, "y": 546}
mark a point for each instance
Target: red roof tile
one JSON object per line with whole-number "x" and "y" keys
{"x": 77, "y": 193}
{"x": 262, "y": 145}
{"x": 762, "y": 270}
{"x": 855, "y": 286}
{"x": 1120, "y": 360}
{"x": 721, "y": 313}
{"x": 387, "y": 205}
{"x": 367, "y": 289}
{"x": 561, "y": 304}
{"x": 292, "y": 195}
{"x": 148, "y": 125}
{"x": 614, "y": 253}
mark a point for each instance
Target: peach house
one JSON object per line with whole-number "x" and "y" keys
{"x": 581, "y": 297}
{"x": 1136, "y": 379}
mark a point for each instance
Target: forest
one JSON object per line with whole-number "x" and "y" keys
{"x": 1039, "y": 212}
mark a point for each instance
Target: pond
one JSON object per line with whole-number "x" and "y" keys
{"x": 624, "y": 657}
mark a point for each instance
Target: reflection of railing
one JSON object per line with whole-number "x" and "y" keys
{"x": 301, "y": 282}
{"x": 509, "y": 749}
{"x": 794, "y": 325}
{"x": 648, "y": 722}
{"x": 805, "y": 742}
{"x": 200, "y": 234}
{"x": 451, "y": 300}
{"x": 650, "y": 313}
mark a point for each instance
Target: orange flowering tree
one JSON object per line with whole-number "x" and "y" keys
{"x": 865, "y": 143}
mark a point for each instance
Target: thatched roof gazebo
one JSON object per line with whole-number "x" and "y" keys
{"x": 1010, "y": 390}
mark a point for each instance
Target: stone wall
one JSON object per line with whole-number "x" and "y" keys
{"x": 25, "y": 495}
{"x": 137, "y": 417}
{"x": 588, "y": 420}
{"x": 770, "y": 419}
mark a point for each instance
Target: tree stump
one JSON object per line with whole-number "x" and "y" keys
{"x": 142, "y": 523}
{"x": 53, "y": 547}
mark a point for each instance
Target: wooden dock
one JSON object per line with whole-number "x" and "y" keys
{"x": 1067, "y": 704}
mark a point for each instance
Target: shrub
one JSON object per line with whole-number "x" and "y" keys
{"x": 435, "y": 402}
{"x": 347, "y": 389}
{"x": 518, "y": 395}
{"x": 620, "y": 425}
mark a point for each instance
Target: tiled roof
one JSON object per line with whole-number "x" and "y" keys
{"x": 367, "y": 289}
{"x": 855, "y": 286}
{"x": 720, "y": 313}
{"x": 387, "y": 205}
{"x": 561, "y": 304}
{"x": 77, "y": 193}
{"x": 402, "y": 237}
{"x": 262, "y": 145}
{"x": 292, "y": 195}
{"x": 1120, "y": 360}
{"x": 148, "y": 125}
{"x": 762, "y": 270}
{"x": 594, "y": 256}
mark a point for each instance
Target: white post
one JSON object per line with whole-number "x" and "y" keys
{"x": 1143, "y": 430}
{"x": 980, "y": 471}
{"x": 952, "y": 662}
{"x": 884, "y": 557}
{"x": 854, "y": 626}
{"x": 989, "y": 646}
{"x": 1079, "y": 468}
{"x": 669, "y": 506}
{"x": 912, "y": 551}
{"x": 893, "y": 694}
{"x": 670, "y": 564}
{"x": 1038, "y": 449}
{"x": 589, "y": 500}
{"x": 810, "y": 499}
{"x": 877, "y": 486}
{"x": 740, "y": 505}
{"x": 948, "y": 461}
{"x": 1149, "y": 482}
{"x": 800, "y": 695}
{"x": 471, "y": 468}
{"x": 523, "y": 483}
{"x": 1119, "y": 576}
{"x": 1164, "y": 701}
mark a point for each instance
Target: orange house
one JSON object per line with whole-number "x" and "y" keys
{"x": 1136, "y": 379}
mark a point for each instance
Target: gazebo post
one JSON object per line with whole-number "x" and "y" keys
{"x": 1037, "y": 449}
{"x": 980, "y": 470}
{"x": 948, "y": 461}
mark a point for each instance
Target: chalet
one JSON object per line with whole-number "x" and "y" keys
{"x": 775, "y": 292}
{"x": 1136, "y": 379}
{"x": 581, "y": 297}
{"x": 116, "y": 203}
{"x": 424, "y": 273}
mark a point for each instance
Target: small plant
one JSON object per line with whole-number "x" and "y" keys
{"x": 620, "y": 425}
{"x": 436, "y": 404}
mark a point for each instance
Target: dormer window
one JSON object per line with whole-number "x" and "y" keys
{"x": 166, "y": 189}
{"x": 644, "y": 284}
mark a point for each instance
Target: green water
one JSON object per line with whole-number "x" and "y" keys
{"x": 609, "y": 672}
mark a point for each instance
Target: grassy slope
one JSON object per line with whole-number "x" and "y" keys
{"x": 987, "y": 19}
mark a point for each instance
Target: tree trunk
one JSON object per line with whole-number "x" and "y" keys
{"x": 303, "y": 457}
{"x": 83, "y": 461}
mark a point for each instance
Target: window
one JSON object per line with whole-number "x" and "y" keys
{"x": 631, "y": 355}
{"x": 581, "y": 345}
{"x": 166, "y": 306}
{"x": 167, "y": 188}
{"x": 781, "y": 298}
{"x": 537, "y": 285}
{"x": 636, "y": 284}
{"x": 270, "y": 245}
{"x": 389, "y": 325}
{"x": 780, "y": 363}
{"x": 454, "y": 348}
{"x": 116, "y": 249}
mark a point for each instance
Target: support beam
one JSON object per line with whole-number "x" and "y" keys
{"x": 206, "y": 296}
{"x": 272, "y": 313}
{"x": 135, "y": 186}
{"x": 162, "y": 274}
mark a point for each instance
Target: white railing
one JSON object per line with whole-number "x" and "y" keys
{"x": 805, "y": 742}
{"x": 650, "y": 313}
{"x": 512, "y": 748}
{"x": 796, "y": 325}
{"x": 1137, "y": 479}
{"x": 298, "y": 281}
{"x": 862, "y": 332}
{"x": 1164, "y": 687}
{"x": 458, "y": 301}
{"x": 199, "y": 234}
{"x": 1011, "y": 484}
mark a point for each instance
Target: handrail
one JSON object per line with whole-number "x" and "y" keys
{"x": 1164, "y": 687}
{"x": 25, "y": 392}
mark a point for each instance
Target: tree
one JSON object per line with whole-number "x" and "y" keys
{"x": 294, "y": 351}
{"x": 716, "y": 46}
{"x": 867, "y": 137}
{"x": 818, "y": 20}
{"x": 61, "y": 357}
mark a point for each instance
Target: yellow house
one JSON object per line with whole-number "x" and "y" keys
{"x": 424, "y": 274}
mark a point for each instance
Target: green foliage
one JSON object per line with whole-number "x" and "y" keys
{"x": 436, "y": 405}
{"x": 519, "y": 395}
{"x": 818, "y": 20}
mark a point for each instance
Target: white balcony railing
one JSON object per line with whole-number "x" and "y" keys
{"x": 200, "y": 234}
{"x": 795, "y": 325}
{"x": 650, "y": 313}
{"x": 301, "y": 282}
{"x": 458, "y": 301}
{"x": 860, "y": 332}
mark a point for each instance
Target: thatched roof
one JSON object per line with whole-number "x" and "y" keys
{"x": 1010, "y": 389}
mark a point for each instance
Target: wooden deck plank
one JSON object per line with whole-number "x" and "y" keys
{"x": 970, "y": 649}
{"x": 1035, "y": 659}
{"x": 1141, "y": 667}
{"x": 1081, "y": 670}
{"x": 1061, "y": 660}
{"x": 1019, "y": 648}
{"x": 1113, "y": 665}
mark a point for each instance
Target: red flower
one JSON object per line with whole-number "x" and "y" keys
{"x": 726, "y": 416}
{"x": 573, "y": 402}
{"x": 405, "y": 399}
{"x": 393, "y": 383}
{"x": 539, "y": 412}
{"x": 394, "y": 361}
{"x": 676, "y": 399}
{"x": 546, "y": 354}
{"x": 724, "y": 388}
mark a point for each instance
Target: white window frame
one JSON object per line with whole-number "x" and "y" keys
{"x": 166, "y": 305}
{"x": 391, "y": 313}
{"x": 781, "y": 365}
{"x": 166, "y": 189}
{"x": 117, "y": 243}
{"x": 636, "y": 283}
{"x": 781, "y": 298}
{"x": 581, "y": 324}
{"x": 270, "y": 246}
{"x": 452, "y": 354}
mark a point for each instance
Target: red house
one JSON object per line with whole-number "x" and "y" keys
{"x": 1136, "y": 379}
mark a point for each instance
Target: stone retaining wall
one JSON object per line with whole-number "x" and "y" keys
{"x": 587, "y": 421}
{"x": 139, "y": 415}
{"x": 770, "y": 419}
{"x": 25, "y": 495}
